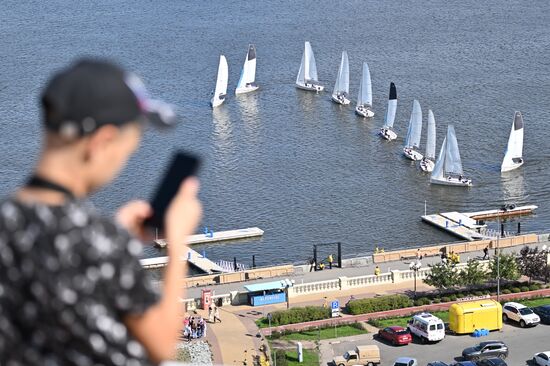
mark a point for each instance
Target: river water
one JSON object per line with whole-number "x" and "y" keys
{"x": 291, "y": 162}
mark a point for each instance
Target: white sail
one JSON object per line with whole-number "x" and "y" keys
{"x": 221, "y": 83}
{"x": 392, "y": 107}
{"x": 415, "y": 126}
{"x": 300, "y": 79}
{"x": 310, "y": 68}
{"x": 430, "y": 141}
{"x": 342, "y": 80}
{"x": 248, "y": 73}
{"x": 437, "y": 173}
{"x": 513, "y": 157}
{"x": 453, "y": 163}
{"x": 365, "y": 88}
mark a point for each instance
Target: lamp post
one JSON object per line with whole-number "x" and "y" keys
{"x": 546, "y": 251}
{"x": 415, "y": 267}
{"x": 498, "y": 260}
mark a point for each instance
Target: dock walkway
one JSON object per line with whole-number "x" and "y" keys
{"x": 215, "y": 236}
{"x": 202, "y": 263}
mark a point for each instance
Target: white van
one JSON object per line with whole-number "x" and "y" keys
{"x": 427, "y": 327}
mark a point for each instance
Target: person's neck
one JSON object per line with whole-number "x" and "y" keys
{"x": 62, "y": 169}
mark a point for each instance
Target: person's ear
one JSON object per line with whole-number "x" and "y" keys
{"x": 100, "y": 139}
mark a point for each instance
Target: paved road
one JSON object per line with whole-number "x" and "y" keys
{"x": 522, "y": 343}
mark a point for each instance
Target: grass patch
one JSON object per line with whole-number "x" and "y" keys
{"x": 402, "y": 320}
{"x": 311, "y": 358}
{"x": 535, "y": 302}
{"x": 325, "y": 333}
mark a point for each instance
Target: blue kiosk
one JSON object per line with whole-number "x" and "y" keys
{"x": 267, "y": 293}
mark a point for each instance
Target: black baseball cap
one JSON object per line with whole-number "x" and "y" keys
{"x": 91, "y": 93}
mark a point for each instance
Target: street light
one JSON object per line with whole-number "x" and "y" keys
{"x": 415, "y": 267}
{"x": 497, "y": 251}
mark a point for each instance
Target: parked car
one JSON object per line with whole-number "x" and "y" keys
{"x": 542, "y": 358}
{"x": 361, "y": 355}
{"x": 427, "y": 327}
{"x": 491, "y": 362}
{"x": 396, "y": 335}
{"x": 519, "y": 313}
{"x": 405, "y": 361}
{"x": 543, "y": 312}
{"x": 488, "y": 349}
{"x": 437, "y": 363}
{"x": 464, "y": 363}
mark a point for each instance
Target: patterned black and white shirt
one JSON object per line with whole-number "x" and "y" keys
{"x": 68, "y": 276}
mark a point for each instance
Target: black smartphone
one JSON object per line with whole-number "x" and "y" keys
{"x": 182, "y": 166}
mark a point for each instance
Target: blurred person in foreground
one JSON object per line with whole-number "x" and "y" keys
{"x": 72, "y": 291}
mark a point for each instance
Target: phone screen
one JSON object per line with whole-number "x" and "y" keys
{"x": 182, "y": 166}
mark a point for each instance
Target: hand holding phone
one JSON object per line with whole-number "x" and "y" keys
{"x": 182, "y": 166}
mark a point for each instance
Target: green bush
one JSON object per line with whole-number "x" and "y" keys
{"x": 506, "y": 291}
{"x": 299, "y": 315}
{"x": 437, "y": 300}
{"x": 280, "y": 357}
{"x": 452, "y": 297}
{"x": 516, "y": 290}
{"x": 383, "y": 303}
{"x": 478, "y": 293}
{"x": 534, "y": 287}
{"x": 459, "y": 295}
{"x": 524, "y": 288}
{"x": 445, "y": 299}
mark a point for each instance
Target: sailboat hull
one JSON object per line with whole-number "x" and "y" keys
{"x": 452, "y": 181}
{"x": 510, "y": 167}
{"x": 310, "y": 87}
{"x": 246, "y": 89}
{"x": 364, "y": 111}
{"x": 342, "y": 100}
{"x": 387, "y": 134}
{"x": 216, "y": 102}
{"x": 426, "y": 165}
{"x": 412, "y": 154}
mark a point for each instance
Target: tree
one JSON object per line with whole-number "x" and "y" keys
{"x": 442, "y": 276}
{"x": 531, "y": 262}
{"x": 508, "y": 267}
{"x": 473, "y": 274}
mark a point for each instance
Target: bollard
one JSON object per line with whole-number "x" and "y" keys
{"x": 300, "y": 352}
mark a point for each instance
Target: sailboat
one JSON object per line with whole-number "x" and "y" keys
{"x": 387, "y": 131}
{"x": 448, "y": 167}
{"x": 341, "y": 87}
{"x": 413, "y": 134}
{"x": 364, "y": 99}
{"x": 513, "y": 157}
{"x": 307, "y": 78}
{"x": 248, "y": 74}
{"x": 427, "y": 162}
{"x": 221, "y": 83}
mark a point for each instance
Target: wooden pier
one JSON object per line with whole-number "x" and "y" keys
{"x": 216, "y": 236}
{"x": 466, "y": 225}
{"x": 202, "y": 263}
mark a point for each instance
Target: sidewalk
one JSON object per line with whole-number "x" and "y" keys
{"x": 329, "y": 274}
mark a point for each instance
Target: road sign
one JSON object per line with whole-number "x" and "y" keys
{"x": 335, "y": 308}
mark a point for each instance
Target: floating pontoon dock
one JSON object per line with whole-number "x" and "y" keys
{"x": 465, "y": 225}
{"x": 215, "y": 236}
{"x": 202, "y": 263}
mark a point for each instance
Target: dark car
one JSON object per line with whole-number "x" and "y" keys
{"x": 543, "y": 312}
{"x": 464, "y": 363}
{"x": 489, "y": 349}
{"x": 437, "y": 363}
{"x": 491, "y": 362}
{"x": 396, "y": 335}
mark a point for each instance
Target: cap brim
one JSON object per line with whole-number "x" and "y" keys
{"x": 160, "y": 114}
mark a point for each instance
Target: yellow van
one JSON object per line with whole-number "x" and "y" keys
{"x": 465, "y": 317}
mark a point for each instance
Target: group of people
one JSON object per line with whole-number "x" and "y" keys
{"x": 194, "y": 327}
{"x": 321, "y": 266}
{"x": 453, "y": 257}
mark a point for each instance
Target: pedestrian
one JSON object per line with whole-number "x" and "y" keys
{"x": 377, "y": 271}
{"x": 217, "y": 315}
{"x": 376, "y": 250}
{"x": 330, "y": 260}
{"x": 75, "y": 272}
{"x": 486, "y": 252}
{"x": 321, "y": 266}
{"x": 211, "y": 313}
{"x": 311, "y": 264}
